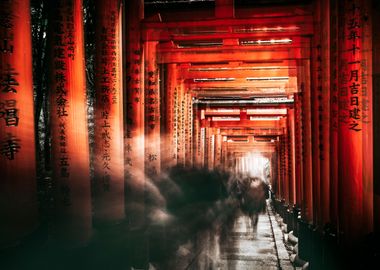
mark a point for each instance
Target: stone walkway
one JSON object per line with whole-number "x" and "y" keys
{"x": 243, "y": 247}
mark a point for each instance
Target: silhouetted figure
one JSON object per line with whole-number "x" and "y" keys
{"x": 254, "y": 193}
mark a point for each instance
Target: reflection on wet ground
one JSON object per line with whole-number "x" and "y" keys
{"x": 239, "y": 246}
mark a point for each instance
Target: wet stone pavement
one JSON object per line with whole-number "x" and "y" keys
{"x": 237, "y": 246}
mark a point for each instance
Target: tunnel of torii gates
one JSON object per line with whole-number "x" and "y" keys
{"x": 294, "y": 85}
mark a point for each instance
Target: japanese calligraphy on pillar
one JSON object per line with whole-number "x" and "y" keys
{"x": 169, "y": 152}
{"x": 353, "y": 90}
{"x": 10, "y": 143}
{"x": 319, "y": 100}
{"x": 18, "y": 214}
{"x": 203, "y": 146}
{"x": 188, "y": 129}
{"x": 134, "y": 89}
{"x": 175, "y": 124}
{"x": 152, "y": 111}
{"x": 70, "y": 148}
{"x": 62, "y": 40}
{"x": 108, "y": 123}
{"x": 134, "y": 103}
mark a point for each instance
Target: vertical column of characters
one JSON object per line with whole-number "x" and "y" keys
{"x": 134, "y": 101}
{"x": 108, "y": 151}
{"x": 70, "y": 149}
{"x": 180, "y": 124}
{"x": 18, "y": 200}
{"x": 152, "y": 111}
{"x": 171, "y": 146}
{"x": 188, "y": 128}
{"x": 353, "y": 121}
{"x": 196, "y": 134}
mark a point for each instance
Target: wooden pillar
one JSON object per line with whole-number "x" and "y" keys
{"x": 285, "y": 166}
{"x": 197, "y": 136}
{"x": 171, "y": 137}
{"x": 292, "y": 157}
{"x": 307, "y": 205}
{"x": 280, "y": 189}
{"x": 108, "y": 150}
{"x": 207, "y": 147}
{"x": 188, "y": 130}
{"x": 275, "y": 176}
{"x": 181, "y": 124}
{"x": 355, "y": 126}
{"x": 70, "y": 150}
{"x": 324, "y": 115}
{"x": 316, "y": 97}
{"x": 18, "y": 200}
{"x": 152, "y": 111}
{"x": 334, "y": 118}
{"x": 134, "y": 110}
{"x": 224, "y": 153}
{"x": 298, "y": 148}
{"x": 218, "y": 149}
{"x": 203, "y": 147}
{"x": 376, "y": 113}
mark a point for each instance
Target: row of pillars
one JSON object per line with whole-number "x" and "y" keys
{"x": 143, "y": 119}
{"x": 325, "y": 160}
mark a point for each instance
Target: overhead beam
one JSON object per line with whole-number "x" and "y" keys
{"x": 251, "y": 131}
{"x": 242, "y": 123}
{"x": 269, "y": 21}
{"x": 238, "y": 73}
{"x": 264, "y": 56}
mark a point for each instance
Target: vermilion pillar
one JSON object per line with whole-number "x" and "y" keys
{"x": 292, "y": 157}
{"x": 70, "y": 150}
{"x": 18, "y": 200}
{"x": 207, "y": 147}
{"x": 224, "y": 153}
{"x": 279, "y": 170}
{"x": 134, "y": 113}
{"x": 286, "y": 166}
{"x": 181, "y": 123}
{"x": 316, "y": 97}
{"x": 298, "y": 148}
{"x": 334, "y": 193}
{"x": 304, "y": 75}
{"x": 152, "y": 111}
{"x": 197, "y": 136}
{"x": 188, "y": 130}
{"x": 376, "y": 115}
{"x": 355, "y": 125}
{"x": 171, "y": 146}
{"x": 203, "y": 146}
{"x": 367, "y": 114}
{"x": 108, "y": 150}
{"x": 324, "y": 116}
{"x": 218, "y": 149}
{"x": 211, "y": 149}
